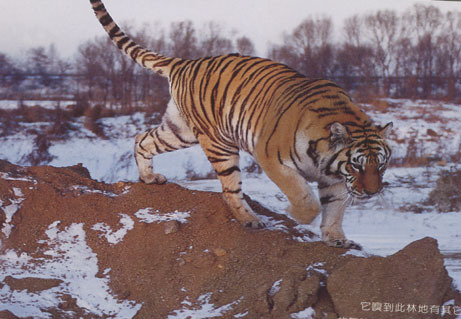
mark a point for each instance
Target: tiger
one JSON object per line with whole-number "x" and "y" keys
{"x": 299, "y": 130}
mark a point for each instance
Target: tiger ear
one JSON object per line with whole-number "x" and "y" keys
{"x": 339, "y": 134}
{"x": 386, "y": 130}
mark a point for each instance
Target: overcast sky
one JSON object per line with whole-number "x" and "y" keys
{"x": 68, "y": 23}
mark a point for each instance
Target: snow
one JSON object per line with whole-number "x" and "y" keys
{"x": 8, "y": 177}
{"x": 146, "y": 215}
{"x": 275, "y": 287}
{"x": 204, "y": 310}
{"x": 86, "y": 190}
{"x": 11, "y": 209}
{"x": 114, "y": 237}
{"x": 71, "y": 261}
{"x": 308, "y": 313}
{"x": 317, "y": 267}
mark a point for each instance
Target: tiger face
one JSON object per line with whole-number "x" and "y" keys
{"x": 361, "y": 160}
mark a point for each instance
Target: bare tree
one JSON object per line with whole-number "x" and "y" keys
{"x": 183, "y": 41}
{"x": 11, "y": 76}
{"x": 308, "y": 48}
{"x": 38, "y": 63}
{"x": 424, "y": 23}
{"x": 382, "y": 31}
{"x": 96, "y": 63}
{"x": 245, "y": 46}
{"x": 311, "y": 41}
{"x": 449, "y": 44}
{"x": 213, "y": 42}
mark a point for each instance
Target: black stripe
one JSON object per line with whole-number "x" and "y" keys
{"x": 114, "y": 32}
{"x": 328, "y": 84}
{"x": 312, "y": 152}
{"x": 235, "y": 191}
{"x": 328, "y": 199}
{"x": 142, "y": 140}
{"x": 106, "y": 20}
{"x": 122, "y": 41}
{"x": 327, "y": 114}
{"x": 296, "y": 164}
{"x": 100, "y": 7}
{"x": 168, "y": 147}
{"x": 330, "y": 162}
{"x": 217, "y": 160}
{"x": 142, "y": 155}
{"x": 132, "y": 44}
{"x": 229, "y": 171}
{"x": 279, "y": 157}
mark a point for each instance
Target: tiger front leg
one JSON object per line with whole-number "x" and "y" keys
{"x": 333, "y": 198}
{"x": 304, "y": 205}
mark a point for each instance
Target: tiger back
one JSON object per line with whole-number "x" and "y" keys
{"x": 299, "y": 130}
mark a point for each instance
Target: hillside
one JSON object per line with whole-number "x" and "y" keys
{"x": 75, "y": 247}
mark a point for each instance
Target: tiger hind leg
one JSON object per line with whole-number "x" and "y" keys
{"x": 225, "y": 161}
{"x": 172, "y": 134}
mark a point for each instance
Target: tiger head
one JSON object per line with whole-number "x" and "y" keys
{"x": 361, "y": 155}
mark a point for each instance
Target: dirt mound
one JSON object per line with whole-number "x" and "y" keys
{"x": 73, "y": 247}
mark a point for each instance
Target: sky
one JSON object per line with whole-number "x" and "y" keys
{"x": 68, "y": 23}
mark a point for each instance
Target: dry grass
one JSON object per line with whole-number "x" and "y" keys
{"x": 446, "y": 196}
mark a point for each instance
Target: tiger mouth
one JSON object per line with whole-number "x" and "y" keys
{"x": 361, "y": 195}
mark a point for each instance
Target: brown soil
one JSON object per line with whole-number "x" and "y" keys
{"x": 162, "y": 265}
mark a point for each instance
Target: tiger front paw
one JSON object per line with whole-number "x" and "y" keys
{"x": 153, "y": 179}
{"x": 343, "y": 243}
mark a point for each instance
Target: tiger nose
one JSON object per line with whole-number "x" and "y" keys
{"x": 373, "y": 191}
{"x": 369, "y": 193}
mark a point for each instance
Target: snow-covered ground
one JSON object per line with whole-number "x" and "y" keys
{"x": 382, "y": 225}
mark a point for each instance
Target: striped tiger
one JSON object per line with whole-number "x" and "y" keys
{"x": 299, "y": 130}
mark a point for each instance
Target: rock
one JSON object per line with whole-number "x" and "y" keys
{"x": 81, "y": 170}
{"x": 296, "y": 291}
{"x": 219, "y": 252}
{"x": 171, "y": 226}
{"x": 431, "y": 132}
{"x": 405, "y": 285}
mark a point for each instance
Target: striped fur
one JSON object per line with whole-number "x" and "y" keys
{"x": 297, "y": 129}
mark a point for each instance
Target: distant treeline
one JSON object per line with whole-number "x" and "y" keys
{"x": 415, "y": 54}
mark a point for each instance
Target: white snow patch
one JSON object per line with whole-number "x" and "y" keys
{"x": 356, "y": 253}
{"x": 308, "y": 313}
{"x": 86, "y": 190}
{"x": 11, "y": 209}
{"x": 148, "y": 216}
{"x": 69, "y": 260}
{"x": 8, "y": 177}
{"x": 114, "y": 237}
{"x": 204, "y": 310}
{"x": 275, "y": 287}
{"x": 318, "y": 268}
